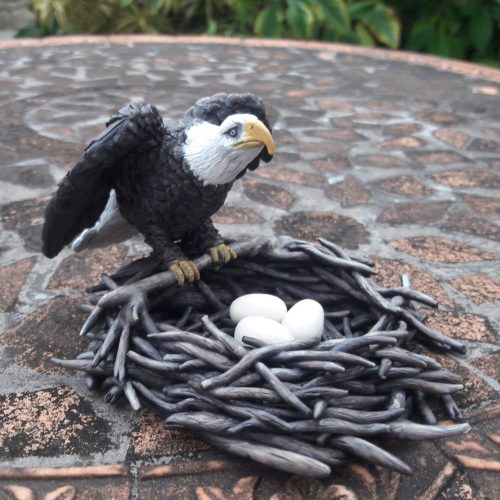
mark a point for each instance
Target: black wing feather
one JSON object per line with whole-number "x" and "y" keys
{"x": 84, "y": 191}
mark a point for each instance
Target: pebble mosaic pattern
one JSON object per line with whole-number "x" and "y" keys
{"x": 396, "y": 161}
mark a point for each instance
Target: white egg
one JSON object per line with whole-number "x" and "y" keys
{"x": 305, "y": 320}
{"x": 257, "y": 304}
{"x": 265, "y": 329}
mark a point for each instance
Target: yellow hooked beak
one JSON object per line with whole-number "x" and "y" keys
{"x": 256, "y": 134}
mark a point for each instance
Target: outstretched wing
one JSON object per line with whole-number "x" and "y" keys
{"x": 110, "y": 228}
{"x": 217, "y": 108}
{"x": 84, "y": 191}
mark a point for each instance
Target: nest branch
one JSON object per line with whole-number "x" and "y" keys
{"x": 167, "y": 278}
{"x": 325, "y": 403}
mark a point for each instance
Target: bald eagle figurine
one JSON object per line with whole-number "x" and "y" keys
{"x": 165, "y": 182}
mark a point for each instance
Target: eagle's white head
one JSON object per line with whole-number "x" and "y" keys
{"x": 217, "y": 154}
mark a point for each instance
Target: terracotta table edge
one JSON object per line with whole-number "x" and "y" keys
{"x": 440, "y": 63}
{"x": 112, "y": 470}
{"x": 47, "y": 473}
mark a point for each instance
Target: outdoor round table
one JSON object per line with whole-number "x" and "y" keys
{"x": 394, "y": 156}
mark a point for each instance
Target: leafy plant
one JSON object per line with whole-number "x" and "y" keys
{"x": 467, "y": 29}
{"x": 463, "y": 29}
{"x": 63, "y": 16}
{"x": 123, "y": 16}
{"x": 365, "y": 22}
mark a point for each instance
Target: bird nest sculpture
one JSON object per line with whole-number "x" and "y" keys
{"x": 365, "y": 383}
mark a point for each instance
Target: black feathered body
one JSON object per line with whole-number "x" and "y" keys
{"x": 158, "y": 194}
{"x": 143, "y": 161}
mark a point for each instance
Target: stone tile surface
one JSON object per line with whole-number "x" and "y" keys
{"x": 415, "y": 213}
{"x": 389, "y": 274}
{"x": 479, "y": 288}
{"x": 268, "y": 194}
{"x": 47, "y": 332}
{"x": 462, "y": 325}
{"x": 150, "y": 438}
{"x": 452, "y": 136}
{"x": 395, "y": 158}
{"x": 49, "y": 423}
{"x": 12, "y": 279}
{"x": 308, "y": 225}
{"x": 482, "y": 205}
{"x": 489, "y": 364}
{"x": 81, "y": 270}
{"x": 468, "y": 178}
{"x": 441, "y": 250}
{"x": 464, "y": 222}
{"x": 349, "y": 192}
{"x": 406, "y": 186}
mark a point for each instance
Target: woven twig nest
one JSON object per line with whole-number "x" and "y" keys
{"x": 299, "y": 407}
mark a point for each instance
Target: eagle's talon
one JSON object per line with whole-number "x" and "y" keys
{"x": 190, "y": 270}
{"x": 222, "y": 252}
{"x": 214, "y": 255}
{"x": 184, "y": 270}
{"x": 175, "y": 268}
{"x": 232, "y": 253}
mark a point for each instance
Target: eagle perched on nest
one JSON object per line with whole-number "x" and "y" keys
{"x": 165, "y": 182}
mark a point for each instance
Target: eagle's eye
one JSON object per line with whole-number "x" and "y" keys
{"x": 233, "y": 132}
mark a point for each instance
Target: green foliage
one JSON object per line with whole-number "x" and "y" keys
{"x": 303, "y": 19}
{"x": 462, "y": 29}
{"x": 269, "y": 22}
{"x": 335, "y": 15}
{"x": 62, "y": 17}
{"x": 59, "y": 17}
{"x": 379, "y": 20}
{"x": 453, "y": 28}
{"x": 300, "y": 19}
{"x": 359, "y": 21}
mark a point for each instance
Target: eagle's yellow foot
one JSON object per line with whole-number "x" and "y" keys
{"x": 184, "y": 270}
{"x": 222, "y": 252}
